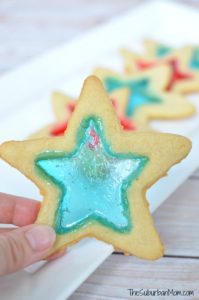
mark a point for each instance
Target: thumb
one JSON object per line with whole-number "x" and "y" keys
{"x": 24, "y": 246}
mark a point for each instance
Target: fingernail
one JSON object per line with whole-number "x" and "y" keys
{"x": 40, "y": 237}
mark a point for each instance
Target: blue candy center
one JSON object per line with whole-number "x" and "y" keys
{"x": 93, "y": 181}
{"x": 162, "y": 51}
{"x": 140, "y": 93}
{"x": 194, "y": 62}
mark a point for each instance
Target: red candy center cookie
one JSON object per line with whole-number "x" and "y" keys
{"x": 176, "y": 76}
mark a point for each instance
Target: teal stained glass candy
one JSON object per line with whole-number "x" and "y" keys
{"x": 140, "y": 93}
{"x": 162, "y": 51}
{"x": 194, "y": 62}
{"x": 93, "y": 181}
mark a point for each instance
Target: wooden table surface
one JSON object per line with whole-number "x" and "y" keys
{"x": 28, "y": 28}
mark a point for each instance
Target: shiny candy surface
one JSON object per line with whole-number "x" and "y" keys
{"x": 93, "y": 181}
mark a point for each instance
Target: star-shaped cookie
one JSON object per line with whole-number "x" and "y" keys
{"x": 189, "y": 55}
{"x": 182, "y": 80}
{"x": 94, "y": 178}
{"x": 147, "y": 99}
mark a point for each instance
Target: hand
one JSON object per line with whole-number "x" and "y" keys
{"x": 20, "y": 247}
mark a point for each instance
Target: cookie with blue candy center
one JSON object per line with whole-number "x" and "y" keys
{"x": 94, "y": 178}
{"x": 147, "y": 98}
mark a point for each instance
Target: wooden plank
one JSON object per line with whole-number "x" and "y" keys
{"x": 177, "y": 221}
{"x": 30, "y": 28}
{"x": 119, "y": 273}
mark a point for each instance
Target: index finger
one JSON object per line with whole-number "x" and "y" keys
{"x": 18, "y": 210}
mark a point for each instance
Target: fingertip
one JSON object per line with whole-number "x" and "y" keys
{"x": 40, "y": 237}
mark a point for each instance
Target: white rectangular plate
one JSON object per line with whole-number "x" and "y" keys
{"x": 25, "y": 107}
